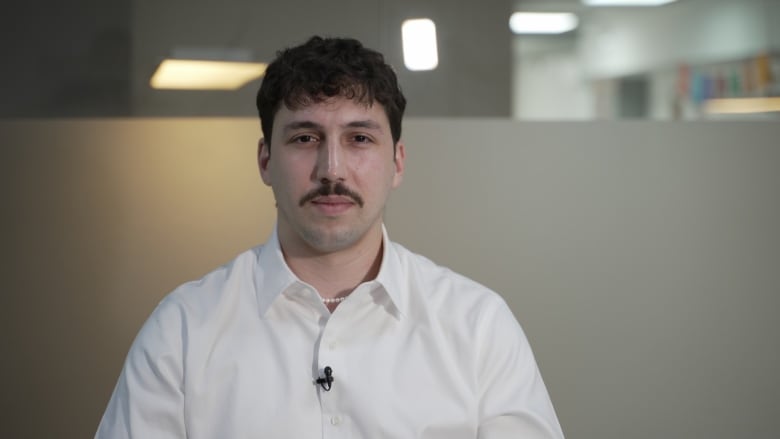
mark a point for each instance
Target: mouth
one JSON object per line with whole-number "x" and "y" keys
{"x": 332, "y": 204}
{"x": 332, "y": 200}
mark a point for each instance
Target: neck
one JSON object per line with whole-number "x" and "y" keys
{"x": 336, "y": 274}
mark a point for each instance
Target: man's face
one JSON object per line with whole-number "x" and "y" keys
{"x": 331, "y": 166}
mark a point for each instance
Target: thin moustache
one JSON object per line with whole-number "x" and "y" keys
{"x": 332, "y": 189}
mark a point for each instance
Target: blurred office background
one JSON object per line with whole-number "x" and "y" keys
{"x": 89, "y": 58}
{"x": 642, "y": 257}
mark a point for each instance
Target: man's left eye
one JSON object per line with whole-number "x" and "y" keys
{"x": 361, "y": 138}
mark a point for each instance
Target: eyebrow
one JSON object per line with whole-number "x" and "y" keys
{"x": 368, "y": 123}
{"x": 307, "y": 124}
{"x": 303, "y": 124}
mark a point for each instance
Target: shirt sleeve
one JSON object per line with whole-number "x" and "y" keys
{"x": 148, "y": 400}
{"x": 514, "y": 402}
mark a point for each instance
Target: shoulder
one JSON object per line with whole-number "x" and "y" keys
{"x": 451, "y": 293}
{"x": 195, "y": 300}
{"x": 473, "y": 321}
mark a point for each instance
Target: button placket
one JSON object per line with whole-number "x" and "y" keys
{"x": 334, "y": 420}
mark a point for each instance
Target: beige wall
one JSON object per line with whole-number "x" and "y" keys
{"x": 642, "y": 259}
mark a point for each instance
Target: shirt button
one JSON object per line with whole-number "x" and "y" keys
{"x": 335, "y": 420}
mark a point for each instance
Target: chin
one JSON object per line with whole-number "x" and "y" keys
{"x": 328, "y": 241}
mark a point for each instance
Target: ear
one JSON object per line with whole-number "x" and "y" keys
{"x": 263, "y": 157}
{"x": 400, "y": 158}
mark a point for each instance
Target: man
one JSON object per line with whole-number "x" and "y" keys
{"x": 330, "y": 329}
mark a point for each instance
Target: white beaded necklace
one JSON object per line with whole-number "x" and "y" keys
{"x": 331, "y": 300}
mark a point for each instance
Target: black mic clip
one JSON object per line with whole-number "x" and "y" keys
{"x": 325, "y": 382}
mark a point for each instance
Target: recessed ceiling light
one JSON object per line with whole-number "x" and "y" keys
{"x": 419, "y": 44}
{"x": 190, "y": 74}
{"x": 627, "y": 2}
{"x": 542, "y": 22}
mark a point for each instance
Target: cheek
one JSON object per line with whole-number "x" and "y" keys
{"x": 292, "y": 172}
{"x": 285, "y": 186}
{"x": 375, "y": 176}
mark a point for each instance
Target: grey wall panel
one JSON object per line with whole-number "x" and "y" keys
{"x": 642, "y": 259}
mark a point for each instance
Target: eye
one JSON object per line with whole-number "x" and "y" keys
{"x": 360, "y": 138}
{"x": 304, "y": 138}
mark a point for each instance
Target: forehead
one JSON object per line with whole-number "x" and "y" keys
{"x": 332, "y": 111}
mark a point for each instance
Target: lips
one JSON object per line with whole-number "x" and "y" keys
{"x": 333, "y": 200}
{"x": 332, "y": 204}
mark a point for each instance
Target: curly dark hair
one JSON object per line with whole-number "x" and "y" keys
{"x": 323, "y": 68}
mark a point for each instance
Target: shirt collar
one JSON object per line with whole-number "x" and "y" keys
{"x": 273, "y": 276}
{"x": 391, "y": 275}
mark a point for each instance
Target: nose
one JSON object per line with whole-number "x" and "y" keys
{"x": 330, "y": 166}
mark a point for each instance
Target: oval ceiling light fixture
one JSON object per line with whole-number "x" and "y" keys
{"x": 627, "y": 2}
{"x": 419, "y": 44}
{"x": 543, "y": 22}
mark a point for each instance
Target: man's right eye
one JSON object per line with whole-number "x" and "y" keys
{"x": 304, "y": 138}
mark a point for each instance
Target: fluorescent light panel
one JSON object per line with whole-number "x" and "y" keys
{"x": 188, "y": 74}
{"x": 742, "y": 105}
{"x": 627, "y": 2}
{"x": 542, "y": 22}
{"x": 419, "y": 44}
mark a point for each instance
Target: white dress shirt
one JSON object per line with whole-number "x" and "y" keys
{"x": 419, "y": 352}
